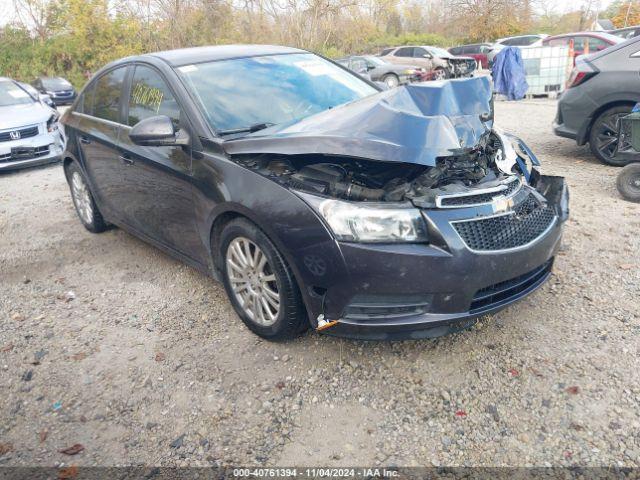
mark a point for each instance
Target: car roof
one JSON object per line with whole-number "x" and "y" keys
{"x": 625, "y": 29}
{"x": 587, "y": 33}
{"x": 188, "y": 56}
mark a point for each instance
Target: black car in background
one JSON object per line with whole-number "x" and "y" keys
{"x": 602, "y": 88}
{"x": 380, "y": 71}
{"x": 59, "y": 90}
{"x": 277, "y": 171}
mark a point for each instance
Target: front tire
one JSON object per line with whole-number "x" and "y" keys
{"x": 259, "y": 283}
{"x": 603, "y": 137}
{"x": 391, "y": 80}
{"x": 440, "y": 74}
{"x": 83, "y": 200}
{"x": 629, "y": 182}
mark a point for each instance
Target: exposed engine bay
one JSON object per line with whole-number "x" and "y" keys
{"x": 346, "y": 178}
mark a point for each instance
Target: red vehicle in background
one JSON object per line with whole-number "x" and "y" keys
{"x": 583, "y": 42}
{"x": 477, "y": 51}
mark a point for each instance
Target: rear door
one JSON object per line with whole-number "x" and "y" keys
{"x": 99, "y": 112}
{"x": 158, "y": 179}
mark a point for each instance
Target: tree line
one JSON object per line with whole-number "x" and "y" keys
{"x": 74, "y": 38}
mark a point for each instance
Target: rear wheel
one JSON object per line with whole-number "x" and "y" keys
{"x": 603, "y": 138}
{"x": 86, "y": 207}
{"x": 259, "y": 283}
{"x": 629, "y": 182}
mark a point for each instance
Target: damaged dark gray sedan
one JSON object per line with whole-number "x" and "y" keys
{"x": 317, "y": 199}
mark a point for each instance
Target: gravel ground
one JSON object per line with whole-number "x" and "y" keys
{"x": 108, "y": 343}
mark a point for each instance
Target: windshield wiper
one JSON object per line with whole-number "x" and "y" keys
{"x": 250, "y": 129}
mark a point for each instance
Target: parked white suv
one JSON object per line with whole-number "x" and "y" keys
{"x": 534, "y": 40}
{"x": 29, "y": 131}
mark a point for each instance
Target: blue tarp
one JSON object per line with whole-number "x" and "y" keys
{"x": 508, "y": 73}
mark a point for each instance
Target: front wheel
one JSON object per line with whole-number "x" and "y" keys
{"x": 391, "y": 80}
{"x": 440, "y": 74}
{"x": 86, "y": 207}
{"x": 603, "y": 138}
{"x": 259, "y": 283}
{"x": 629, "y": 182}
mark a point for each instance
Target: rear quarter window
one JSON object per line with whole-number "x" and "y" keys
{"x": 107, "y": 95}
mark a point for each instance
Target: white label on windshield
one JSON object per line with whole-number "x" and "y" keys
{"x": 188, "y": 69}
{"x": 314, "y": 67}
{"x": 18, "y": 93}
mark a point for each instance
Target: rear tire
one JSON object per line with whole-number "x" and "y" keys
{"x": 629, "y": 182}
{"x": 83, "y": 200}
{"x": 259, "y": 283}
{"x": 603, "y": 135}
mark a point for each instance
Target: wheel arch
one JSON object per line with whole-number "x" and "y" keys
{"x": 227, "y": 212}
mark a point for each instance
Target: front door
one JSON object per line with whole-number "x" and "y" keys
{"x": 159, "y": 178}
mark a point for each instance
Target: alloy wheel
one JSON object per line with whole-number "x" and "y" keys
{"x": 606, "y": 134}
{"x": 81, "y": 198}
{"x": 440, "y": 74}
{"x": 253, "y": 281}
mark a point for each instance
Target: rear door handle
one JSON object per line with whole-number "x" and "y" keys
{"x": 126, "y": 159}
{"x": 84, "y": 139}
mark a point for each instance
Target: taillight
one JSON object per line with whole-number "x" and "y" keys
{"x": 580, "y": 74}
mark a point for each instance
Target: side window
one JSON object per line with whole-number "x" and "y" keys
{"x": 456, "y": 50}
{"x": 578, "y": 44}
{"x": 404, "y": 52}
{"x": 558, "y": 42}
{"x": 85, "y": 102}
{"x": 510, "y": 42}
{"x": 358, "y": 65}
{"x": 386, "y": 51}
{"x": 150, "y": 96}
{"x": 419, "y": 52}
{"x": 107, "y": 94}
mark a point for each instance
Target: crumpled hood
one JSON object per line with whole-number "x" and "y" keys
{"x": 14, "y": 116}
{"x": 415, "y": 123}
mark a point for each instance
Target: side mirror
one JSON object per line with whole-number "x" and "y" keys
{"x": 157, "y": 131}
{"x": 427, "y": 55}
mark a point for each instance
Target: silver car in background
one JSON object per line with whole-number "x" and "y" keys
{"x": 30, "y": 134}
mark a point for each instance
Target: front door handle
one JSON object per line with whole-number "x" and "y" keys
{"x": 126, "y": 159}
{"x": 84, "y": 139}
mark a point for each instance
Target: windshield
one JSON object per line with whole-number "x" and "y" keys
{"x": 438, "y": 52}
{"x": 55, "y": 83}
{"x": 240, "y": 93}
{"x": 375, "y": 60}
{"x": 12, "y": 94}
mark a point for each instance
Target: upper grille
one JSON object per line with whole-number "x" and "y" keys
{"x": 486, "y": 197}
{"x": 527, "y": 222}
{"x": 25, "y": 132}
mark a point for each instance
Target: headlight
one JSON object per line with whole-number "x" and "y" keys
{"x": 52, "y": 124}
{"x": 373, "y": 223}
{"x": 408, "y": 72}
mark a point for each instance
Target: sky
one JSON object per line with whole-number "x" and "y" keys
{"x": 560, "y": 6}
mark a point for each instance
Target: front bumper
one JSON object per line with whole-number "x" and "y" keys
{"x": 46, "y": 147}
{"x": 418, "y": 291}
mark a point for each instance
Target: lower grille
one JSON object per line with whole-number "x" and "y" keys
{"x": 26, "y": 132}
{"x": 526, "y": 223}
{"x": 372, "y": 307}
{"x": 29, "y": 154}
{"x": 503, "y": 292}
